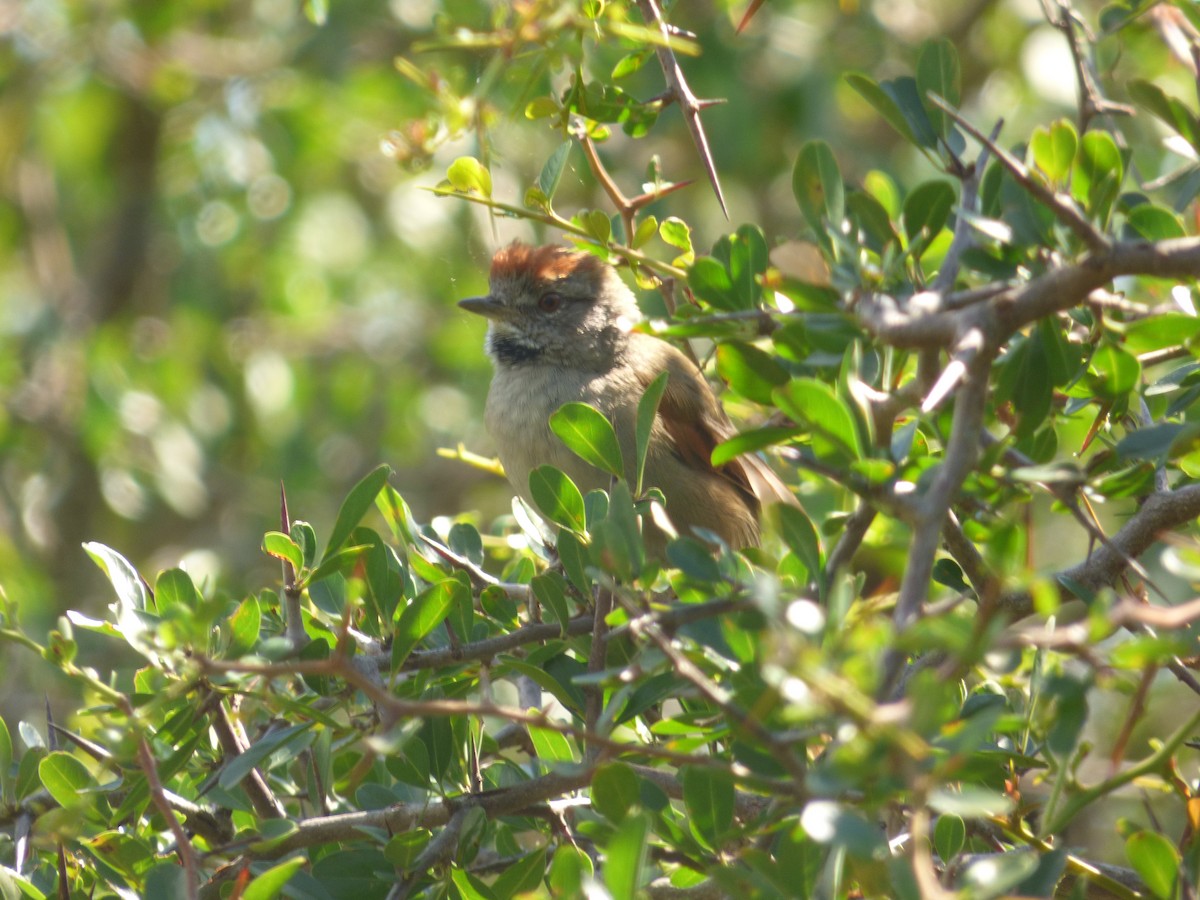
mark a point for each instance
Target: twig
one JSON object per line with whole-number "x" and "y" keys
{"x": 1063, "y": 207}
{"x": 183, "y": 846}
{"x": 293, "y": 619}
{"x": 677, "y": 87}
{"x": 691, "y": 673}
{"x": 961, "y": 453}
{"x": 437, "y": 851}
{"x": 1092, "y": 102}
{"x": 234, "y": 743}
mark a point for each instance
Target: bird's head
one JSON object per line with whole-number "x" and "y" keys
{"x": 554, "y": 306}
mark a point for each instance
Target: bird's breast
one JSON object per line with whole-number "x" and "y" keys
{"x": 519, "y": 406}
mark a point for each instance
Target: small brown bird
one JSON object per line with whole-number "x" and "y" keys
{"x": 559, "y": 330}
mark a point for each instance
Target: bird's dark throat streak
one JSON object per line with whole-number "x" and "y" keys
{"x": 513, "y": 352}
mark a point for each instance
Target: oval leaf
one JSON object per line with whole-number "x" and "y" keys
{"x": 557, "y": 497}
{"x": 589, "y": 435}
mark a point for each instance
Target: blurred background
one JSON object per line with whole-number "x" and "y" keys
{"x": 221, "y": 268}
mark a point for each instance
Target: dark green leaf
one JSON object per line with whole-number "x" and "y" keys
{"x": 268, "y": 885}
{"x": 750, "y": 441}
{"x": 626, "y": 857}
{"x": 522, "y": 877}
{"x": 927, "y": 208}
{"x": 64, "y": 777}
{"x": 798, "y": 533}
{"x": 1153, "y": 442}
{"x": 360, "y": 499}
{"x": 557, "y": 498}
{"x": 1171, "y": 111}
{"x": 817, "y": 185}
{"x": 938, "y": 72}
{"x": 1155, "y": 223}
{"x": 646, "y": 412}
{"x": 551, "y": 591}
{"x": 589, "y": 435}
{"x": 240, "y": 766}
{"x": 750, "y": 371}
{"x": 244, "y": 627}
{"x": 614, "y": 791}
{"x": 428, "y": 610}
{"x": 871, "y": 91}
{"x": 174, "y": 587}
{"x": 708, "y": 796}
{"x": 552, "y": 171}
{"x": 711, "y": 282}
{"x": 1114, "y": 372}
{"x": 816, "y": 405}
{"x": 949, "y": 837}
{"x": 1099, "y": 172}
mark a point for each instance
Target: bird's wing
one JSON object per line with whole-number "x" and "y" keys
{"x": 696, "y": 423}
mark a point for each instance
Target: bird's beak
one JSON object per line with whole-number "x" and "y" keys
{"x": 488, "y": 307}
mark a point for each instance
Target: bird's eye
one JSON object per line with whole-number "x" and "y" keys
{"x": 550, "y": 302}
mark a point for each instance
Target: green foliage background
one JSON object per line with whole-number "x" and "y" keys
{"x": 222, "y": 268}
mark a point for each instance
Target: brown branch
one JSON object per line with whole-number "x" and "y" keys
{"x": 234, "y": 742}
{"x": 1159, "y": 513}
{"x": 1062, "y": 206}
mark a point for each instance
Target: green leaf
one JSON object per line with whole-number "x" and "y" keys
{"x": 240, "y": 766}
{"x": 522, "y": 877}
{"x": 815, "y": 404}
{"x": 751, "y": 372}
{"x": 551, "y": 746}
{"x": 64, "y": 777}
{"x": 927, "y": 208}
{"x": 1099, "y": 172}
{"x": 174, "y": 587}
{"x": 1153, "y": 442}
{"x": 552, "y": 171}
{"x": 908, "y": 100}
{"x": 403, "y": 849}
{"x": 751, "y": 441}
{"x": 708, "y": 796}
{"x": 1053, "y": 150}
{"x": 626, "y": 857}
{"x": 970, "y": 802}
{"x": 949, "y": 837}
{"x": 468, "y": 175}
{"x": 1155, "y": 223}
{"x": 646, "y": 412}
{"x": 939, "y": 72}
{"x": 427, "y": 610}
{"x": 871, "y": 91}
{"x": 360, "y": 499}
{"x": 270, "y": 883}
{"x": 996, "y": 873}
{"x": 643, "y": 231}
{"x": 589, "y": 435}
{"x": 1114, "y": 372}
{"x": 711, "y": 282}
{"x": 818, "y": 188}
{"x": 574, "y": 560}
{"x": 550, "y": 589}
{"x": 747, "y": 261}
{"x": 1171, "y": 111}
{"x": 244, "y": 627}
{"x": 317, "y": 12}
{"x": 801, "y": 538}
{"x": 615, "y": 791}
{"x": 678, "y": 234}
{"x": 557, "y": 498}
{"x": 568, "y": 868}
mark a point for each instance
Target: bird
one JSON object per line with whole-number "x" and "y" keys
{"x": 560, "y": 329}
